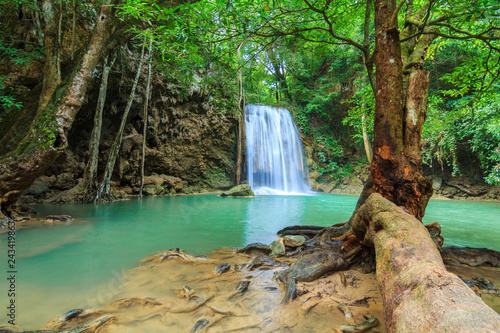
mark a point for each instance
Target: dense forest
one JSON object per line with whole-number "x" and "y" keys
{"x": 102, "y": 99}
{"x": 315, "y": 59}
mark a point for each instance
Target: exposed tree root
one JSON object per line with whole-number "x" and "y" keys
{"x": 312, "y": 266}
{"x": 454, "y": 255}
{"x": 419, "y": 294}
{"x": 369, "y": 323}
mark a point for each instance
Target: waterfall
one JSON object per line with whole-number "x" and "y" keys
{"x": 275, "y": 162}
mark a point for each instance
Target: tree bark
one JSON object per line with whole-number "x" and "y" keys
{"x": 104, "y": 193}
{"x": 73, "y": 30}
{"x": 89, "y": 183}
{"x": 419, "y": 294}
{"x": 52, "y": 67}
{"x": 145, "y": 127}
{"x": 47, "y": 139}
{"x": 396, "y": 167}
{"x": 240, "y": 116}
{"x": 366, "y": 141}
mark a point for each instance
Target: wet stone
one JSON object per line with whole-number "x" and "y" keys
{"x": 71, "y": 314}
{"x": 222, "y": 268}
{"x": 277, "y": 248}
{"x": 294, "y": 241}
{"x": 199, "y": 326}
{"x": 255, "y": 247}
{"x": 243, "y": 286}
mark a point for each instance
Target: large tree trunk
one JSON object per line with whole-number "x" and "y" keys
{"x": 419, "y": 294}
{"x": 48, "y": 137}
{"x": 396, "y": 167}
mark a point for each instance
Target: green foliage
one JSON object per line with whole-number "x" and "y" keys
{"x": 439, "y": 141}
{"x": 215, "y": 175}
{"x": 7, "y": 102}
{"x": 475, "y": 132}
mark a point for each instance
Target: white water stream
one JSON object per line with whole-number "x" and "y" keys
{"x": 275, "y": 159}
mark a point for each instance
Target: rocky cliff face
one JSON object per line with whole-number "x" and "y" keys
{"x": 191, "y": 139}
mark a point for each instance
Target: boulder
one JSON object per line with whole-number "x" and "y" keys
{"x": 37, "y": 188}
{"x": 153, "y": 190}
{"x": 171, "y": 182}
{"x": 65, "y": 181}
{"x": 243, "y": 190}
{"x": 277, "y": 248}
{"x": 436, "y": 183}
{"x": 294, "y": 241}
{"x": 154, "y": 180}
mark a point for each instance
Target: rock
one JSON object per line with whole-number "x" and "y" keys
{"x": 294, "y": 241}
{"x": 258, "y": 261}
{"x": 329, "y": 188}
{"x": 65, "y": 181}
{"x": 239, "y": 191}
{"x": 38, "y": 187}
{"x": 243, "y": 286}
{"x": 153, "y": 190}
{"x": 222, "y": 268}
{"x": 174, "y": 182}
{"x": 255, "y": 247}
{"x": 277, "y": 248}
{"x": 71, "y": 314}
{"x": 449, "y": 192}
{"x": 436, "y": 183}
{"x": 154, "y": 180}
{"x": 10, "y": 329}
{"x": 314, "y": 174}
{"x": 63, "y": 218}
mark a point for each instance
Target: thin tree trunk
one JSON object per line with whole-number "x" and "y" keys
{"x": 89, "y": 183}
{"x": 240, "y": 122}
{"x": 51, "y": 70}
{"x": 48, "y": 138}
{"x": 36, "y": 17}
{"x": 73, "y": 30}
{"x": 145, "y": 127}
{"x": 103, "y": 193}
{"x": 366, "y": 140}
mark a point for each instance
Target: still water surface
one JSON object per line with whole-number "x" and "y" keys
{"x": 81, "y": 265}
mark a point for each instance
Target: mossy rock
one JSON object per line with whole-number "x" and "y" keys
{"x": 153, "y": 190}
{"x": 243, "y": 190}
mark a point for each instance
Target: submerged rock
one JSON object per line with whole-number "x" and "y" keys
{"x": 59, "y": 217}
{"x": 242, "y": 190}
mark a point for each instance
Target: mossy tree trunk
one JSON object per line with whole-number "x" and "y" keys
{"x": 396, "y": 168}
{"x": 52, "y": 67}
{"x": 419, "y": 294}
{"x": 47, "y": 138}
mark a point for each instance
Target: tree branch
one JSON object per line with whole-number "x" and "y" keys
{"x": 394, "y": 17}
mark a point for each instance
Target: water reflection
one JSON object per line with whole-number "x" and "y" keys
{"x": 264, "y": 216}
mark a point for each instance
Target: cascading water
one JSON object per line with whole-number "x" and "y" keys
{"x": 275, "y": 162}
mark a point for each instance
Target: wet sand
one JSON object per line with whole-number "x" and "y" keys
{"x": 178, "y": 295}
